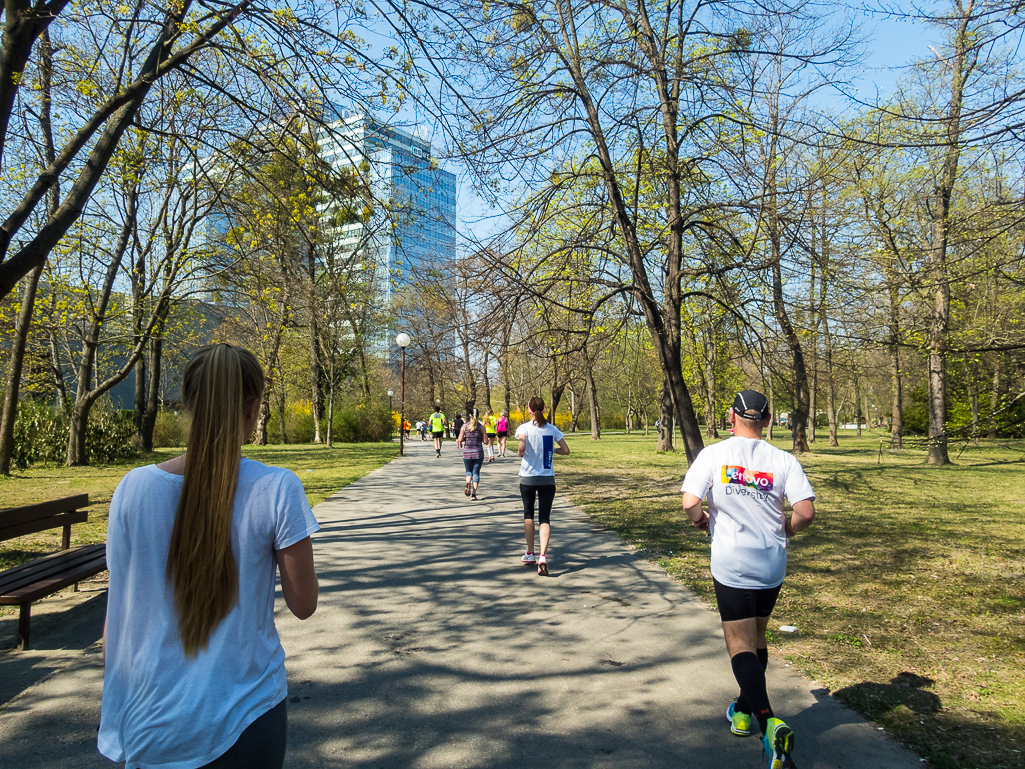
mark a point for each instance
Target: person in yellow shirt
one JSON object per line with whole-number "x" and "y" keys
{"x": 489, "y": 431}
{"x": 437, "y": 424}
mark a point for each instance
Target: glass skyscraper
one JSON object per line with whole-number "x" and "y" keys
{"x": 415, "y": 226}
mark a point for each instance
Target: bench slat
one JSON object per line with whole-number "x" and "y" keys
{"x": 14, "y": 515}
{"x": 42, "y": 568}
{"x": 41, "y": 524}
{"x": 42, "y": 588}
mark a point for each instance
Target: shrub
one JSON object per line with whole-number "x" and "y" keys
{"x": 41, "y": 435}
{"x": 355, "y": 421}
{"x": 916, "y": 413}
{"x": 363, "y": 421}
{"x": 171, "y": 430}
{"x": 109, "y": 436}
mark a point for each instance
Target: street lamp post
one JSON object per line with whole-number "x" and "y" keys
{"x": 402, "y": 340}
{"x": 390, "y": 394}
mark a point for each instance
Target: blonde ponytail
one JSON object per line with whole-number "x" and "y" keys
{"x": 218, "y": 383}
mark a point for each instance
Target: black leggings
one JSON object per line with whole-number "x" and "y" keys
{"x": 260, "y": 746}
{"x": 545, "y": 496}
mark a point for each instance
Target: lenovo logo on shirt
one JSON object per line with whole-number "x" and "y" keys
{"x": 744, "y": 477}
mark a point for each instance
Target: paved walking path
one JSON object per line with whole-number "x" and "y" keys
{"x": 433, "y": 648}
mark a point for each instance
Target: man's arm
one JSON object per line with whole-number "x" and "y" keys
{"x": 692, "y": 507}
{"x": 804, "y": 514}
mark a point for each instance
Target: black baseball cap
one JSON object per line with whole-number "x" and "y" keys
{"x": 748, "y": 401}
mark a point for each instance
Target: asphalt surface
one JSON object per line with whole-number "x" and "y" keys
{"x": 434, "y": 648}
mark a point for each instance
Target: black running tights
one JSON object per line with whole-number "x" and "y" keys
{"x": 260, "y": 746}
{"x": 545, "y": 497}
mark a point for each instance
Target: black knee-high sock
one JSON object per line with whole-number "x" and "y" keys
{"x": 747, "y": 669}
{"x": 742, "y": 704}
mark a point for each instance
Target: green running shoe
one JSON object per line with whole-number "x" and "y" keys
{"x": 740, "y": 723}
{"x": 779, "y": 744}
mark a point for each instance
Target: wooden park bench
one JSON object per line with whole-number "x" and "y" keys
{"x": 21, "y": 585}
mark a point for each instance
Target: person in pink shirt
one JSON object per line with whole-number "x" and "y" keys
{"x": 502, "y": 432}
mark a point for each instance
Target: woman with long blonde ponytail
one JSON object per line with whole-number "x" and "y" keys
{"x": 471, "y": 441}
{"x": 194, "y": 671}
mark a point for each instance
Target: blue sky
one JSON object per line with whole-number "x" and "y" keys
{"x": 892, "y": 45}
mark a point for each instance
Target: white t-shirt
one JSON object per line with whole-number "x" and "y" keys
{"x": 539, "y": 458}
{"x": 159, "y": 708}
{"x": 745, "y": 481}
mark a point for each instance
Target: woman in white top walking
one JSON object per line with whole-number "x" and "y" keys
{"x": 194, "y": 673}
{"x": 539, "y": 442}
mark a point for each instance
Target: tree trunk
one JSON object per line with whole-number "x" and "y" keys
{"x": 469, "y": 377}
{"x": 271, "y": 382}
{"x": 827, "y": 342}
{"x": 937, "y": 259}
{"x": 665, "y": 419}
{"x": 153, "y": 399}
{"x": 557, "y": 391}
{"x": 995, "y": 398}
{"x": 629, "y": 420}
{"x": 77, "y": 455}
{"x": 280, "y": 403}
{"x": 78, "y": 450}
{"x": 487, "y": 378}
{"x": 63, "y": 404}
{"x": 592, "y": 400}
{"x": 799, "y": 414}
{"x": 331, "y": 406}
{"x": 260, "y": 432}
{"x": 972, "y": 377}
{"x": 17, "y": 360}
{"x": 28, "y": 299}
{"x": 314, "y": 329}
{"x": 811, "y": 402}
{"x": 830, "y": 388}
{"x": 897, "y": 400}
{"x": 574, "y": 412}
{"x": 857, "y": 402}
{"x": 772, "y": 407}
{"x": 430, "y": 378}
{"x": 138, "y": 281}
{"x": 705, "y": 377}
{"x": 711, "y": 408}
{"x": 315, "y": 375}
{"x": 139, "y": 407}
{"x": 896, "y": 377}
{"x": 813, "y": 325}
{"x": 507, "y": 396}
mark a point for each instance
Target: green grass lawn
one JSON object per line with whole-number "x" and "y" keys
{"x": 908, "y": 591}
{"x": 321, "y": 470}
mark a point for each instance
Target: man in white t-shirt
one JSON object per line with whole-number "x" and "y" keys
{"x": 744, "y": 480}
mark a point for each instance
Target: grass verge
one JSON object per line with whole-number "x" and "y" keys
{"x": 908, "y": 591}
{"x": 321, "y": 470}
